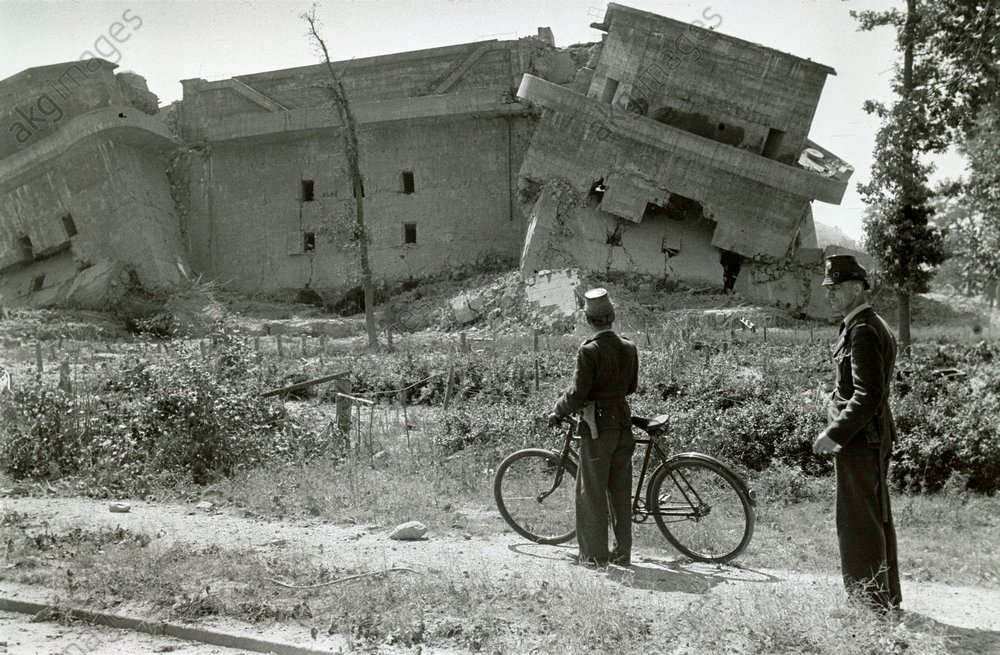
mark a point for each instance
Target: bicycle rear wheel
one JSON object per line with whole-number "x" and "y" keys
{"x": 703, "y": 509}
{"x": 537, "y": 496}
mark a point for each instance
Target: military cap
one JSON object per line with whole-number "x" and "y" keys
{"x": 597, "y": 305}
{"x": 843, "y": 268}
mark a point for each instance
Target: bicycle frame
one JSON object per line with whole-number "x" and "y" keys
{"x": 640, "y": 510}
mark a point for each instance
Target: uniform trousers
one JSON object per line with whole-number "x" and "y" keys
{"x": 865, "y": 531}
{"x": 603, "y": 491}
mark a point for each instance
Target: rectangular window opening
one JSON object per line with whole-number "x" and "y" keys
{"x": 308, "y": 241}
{"x": 408, "y": 182}
{"x": 27, "y": 250}
{"x": 772, "y": 145}
{"x": 610, "y": 88}
{"x": 409, "y": 232}
{"x": 37, "y": 283}
{"x": 307, "y": 191}
{"x": 69, "y": 225}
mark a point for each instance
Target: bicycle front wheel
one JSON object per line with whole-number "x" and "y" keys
{"x": 703, "y": 509}
{"x": 536, "y": 495}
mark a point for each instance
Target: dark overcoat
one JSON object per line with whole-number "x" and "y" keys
{"x": 607, "y": 370}
{"x": 865, "y": 355}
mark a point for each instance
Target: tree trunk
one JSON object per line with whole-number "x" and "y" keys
{"x": 903, "y": 318}
{"x": 903, "y": 312}
{"x": 339, "y": 96}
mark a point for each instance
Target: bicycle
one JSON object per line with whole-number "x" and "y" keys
{"x": 703, "y": 508}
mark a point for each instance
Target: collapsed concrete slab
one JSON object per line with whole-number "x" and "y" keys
{"x": 687, "y": 157}
{"x": 556, "y": 292}
{"x": 667, "y": 149}
{"x": 84, "y": 197}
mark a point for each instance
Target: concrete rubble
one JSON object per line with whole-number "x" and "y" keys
{"x": 667, "y": 149}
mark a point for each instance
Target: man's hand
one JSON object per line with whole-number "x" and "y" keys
{"x": 824, "y": 445}
{"x": 554, "y": 420}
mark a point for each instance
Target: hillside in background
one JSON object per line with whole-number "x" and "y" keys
{"x": 830, "y": 235}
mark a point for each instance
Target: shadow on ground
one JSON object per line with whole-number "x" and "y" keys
{"x": 655, "y": 574}
{"x": 962, "y": 641}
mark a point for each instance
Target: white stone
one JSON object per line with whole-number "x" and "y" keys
{"x": 410, "y": 531}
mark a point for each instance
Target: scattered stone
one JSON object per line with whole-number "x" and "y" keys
{"x": 119, "y": 508}
{"x": 466, "y": 536}
{"x": 205, "y": 506}
{"x": 410, "y": 531}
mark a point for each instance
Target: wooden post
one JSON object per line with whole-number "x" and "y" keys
{"x": 38, "y": 356}
{"x": 281, "y": 347}
{"x": 304, "y": 350}
{"x": 461, "y": 342}
{"x": 343, "y": 386}
{"x": 256, "y": 347}
{"x": 765, "y": 333}
{"x": 535, "y": 337}
{"x": 204, "y": 348}
{"x": 451, "y": 381}
{"x": 64, "y": 382}
{"x": 322, "y": 344}
{"x": 406, "y": 423}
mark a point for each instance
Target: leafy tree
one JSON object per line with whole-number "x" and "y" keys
{"x": 981, "y": 233}
{"x": 951, "y": 50}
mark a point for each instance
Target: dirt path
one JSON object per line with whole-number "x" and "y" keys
{"x": 972, "y": 612}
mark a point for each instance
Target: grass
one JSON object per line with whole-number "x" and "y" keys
{"x": 482, "y": 610}
{"x": 398, "y": 473}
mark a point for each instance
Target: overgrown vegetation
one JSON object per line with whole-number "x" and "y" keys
{"x": 180, "y": 418}
{"x": 756, "y": 405}
{"x": 195, "y": 422}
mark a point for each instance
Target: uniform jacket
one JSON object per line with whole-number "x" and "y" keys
{"x": 865, "y": 354}
{"x": 607, "y": 370}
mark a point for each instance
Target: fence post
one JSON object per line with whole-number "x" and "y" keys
{"x": 204, "y": 349}
{"x": 38, "y": 356}
{"x": 304, "y": 342}
{"x": 64, "y": 382}
{"x": 451, "y": 381}
{"x": 281, "y": 347}
{"x": 343, "y": 386}
{"x": 537, "y": 375}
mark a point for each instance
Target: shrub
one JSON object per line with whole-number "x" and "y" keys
{"x": 948, "y": 427}
{"x": 182, "y": 418}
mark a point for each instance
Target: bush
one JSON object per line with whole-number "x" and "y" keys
{"x": 184, "y": 418}
{"x": 45, "y": 433}
{"x": 947, "y": 427}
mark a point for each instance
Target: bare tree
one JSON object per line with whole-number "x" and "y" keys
{"x": 351, "y": 153}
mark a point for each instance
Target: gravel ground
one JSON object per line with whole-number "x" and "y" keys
{"x": 972, "y": 614}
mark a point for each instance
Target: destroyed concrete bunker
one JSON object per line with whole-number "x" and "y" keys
{"x": 668, "y": 149}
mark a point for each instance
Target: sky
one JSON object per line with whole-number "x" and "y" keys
{"x": 167, "y": 41}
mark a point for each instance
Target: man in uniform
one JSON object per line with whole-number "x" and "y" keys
{"x": 860, "y": 435}
{"x": 607, "y": 370}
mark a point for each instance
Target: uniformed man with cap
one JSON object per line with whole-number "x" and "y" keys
{"x": 607, "y": 370}
{"x": 860, "y": 434}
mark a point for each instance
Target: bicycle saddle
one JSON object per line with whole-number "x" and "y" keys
{"x": 650, "y": 425}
